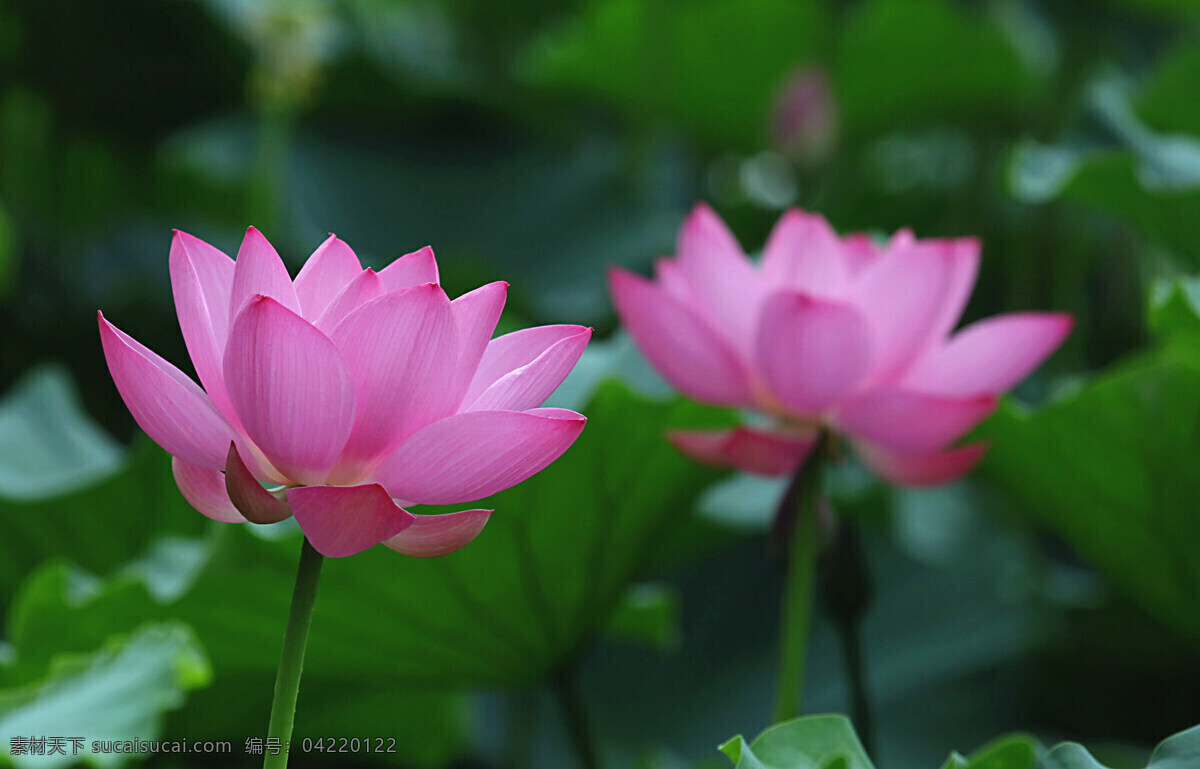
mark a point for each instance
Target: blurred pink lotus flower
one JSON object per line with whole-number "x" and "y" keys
{"x": 357, "y": 393}
{"x": 804, "y": 117}
{"x": 831, "y": 332}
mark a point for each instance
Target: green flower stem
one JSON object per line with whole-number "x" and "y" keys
{"x": 845, "y": 592}
{"x": 566, "y": 687}
{"x": 850, "y": 635}
{"x": 796, "y": 529}
{"x": 291, "y": 661}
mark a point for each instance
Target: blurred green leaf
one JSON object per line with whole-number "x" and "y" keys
{"x": 48, "y": 445}
{"x": 1181, "y": 751}
{"x": 1110, "y": 468}
{"x": 812, "y": 742}
{"x": 101, "y": 526}
{"x": 1168, "y": 100}
{"x": 714, "y": 67}
{"x": 1012, "y": 752}
{"x": 892, "y": 50}
{"x": 648, "y": 614}
{"x": 119, "y": 692}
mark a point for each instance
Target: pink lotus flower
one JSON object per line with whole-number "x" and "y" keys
{"x": 357, "y": 393}
{"x": 829, "y": 332}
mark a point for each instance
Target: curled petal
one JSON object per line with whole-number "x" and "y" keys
{"x": 754, "y": 451}
{"x": 340, "y": 521}
{"x": 254, "y": 502}
{"x": 476, "y": 454}
{"x": 679, "y": 342}
{"x": 990, "y": 356}
{"x": 527, "y": 365}
{"x": 259, "y": 270}
{"x": 290, "y": 387}
{"x": 805, "y": 253}
{"x": 411, "y": 270}
{"x": 908, "y": 421}
{"x": 921, "y": 468}
{"x": 330, "y": 268}
{"x": 204, "y": 489}
{"x": 165, "y": 403}
{"x": 812, "y": 352}
{"x": 431, "y": 536}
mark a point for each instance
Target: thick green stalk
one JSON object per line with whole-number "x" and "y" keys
{"x": 796, "y": 529}
{"x": 291, "y": 661}
{"x": 566, "y": 687}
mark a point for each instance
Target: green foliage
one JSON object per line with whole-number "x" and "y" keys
{"x": 1109, "y": 467}
{"x": 1167, "y": 100}
{"x": 891, "y": 51}
{"x": 829, "y": 742}
{"x": 713, "y": 67}
{"x": 118, "y": 692}
{"x": 815, "y": 742}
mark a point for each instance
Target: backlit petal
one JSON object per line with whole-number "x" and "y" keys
{"x": 259, "y": 270}
{"x": 330, "y": 268}
{"x": 474, "y": 455}
{"x": 166, "y": 404}
{"x": 520, "y": 370}
{"x": 290, "y": 386}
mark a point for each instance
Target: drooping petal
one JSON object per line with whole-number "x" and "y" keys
{"x": 201, "y": 280}
{"x": 401, "y": 350}
{"x": 259, "y": 270}
{"x": 990, "y": 356}
{"x": 165, "y": 403}
{"x": 254, "y": 502}
{"x": 811, "y": 351}
{"x": 754, "y": 451}
{"x": 341, "y": 521}
{"x": 411, "y": 270}
{"x": 330, "y": 268}
{"x": 204, "y": 489}
{"x": 521, "y": 369}
{"x": 476, "y": 314}
{"x": 805, "y": 253}
{"x": 431, "y": 536}
{"x": 290, "y": 386}
{"x": 680, "y": 343}
{"x": 908, "y": 421}
{"x": 921, "y": 468}
{"x": 363, "y": 288}
{"x": 724, "y": 280}
{"x": 476, "y": 454}
{"x": 903, "y": 295}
